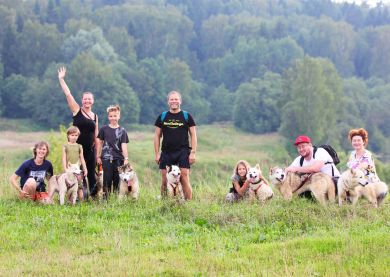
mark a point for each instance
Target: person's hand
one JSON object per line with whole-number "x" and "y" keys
{"x": 61, "y": 72}
{"x": 126, "y": 161}
{"x": 157, "y": 158}
{"x": 192, "y": 158}
{"x": 98, "y": 160}
{"x": 85, "y": 172}
{"x": 23, "y": 194}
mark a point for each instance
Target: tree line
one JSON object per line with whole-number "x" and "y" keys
{"x": 292, "y": 66}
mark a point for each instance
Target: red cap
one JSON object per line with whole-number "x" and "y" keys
{"x": 302, "y": 139}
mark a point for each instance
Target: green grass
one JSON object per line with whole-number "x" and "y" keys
{"x": 203, "y": 237}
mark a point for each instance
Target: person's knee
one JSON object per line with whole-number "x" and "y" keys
{"x": 230, "y": 198}
{"x": 163, "y": 176}
{"x": 30, "y": 184}
{"x": 184, "y": 172}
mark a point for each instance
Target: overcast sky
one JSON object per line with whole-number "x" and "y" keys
{"x": 372, "y": 3}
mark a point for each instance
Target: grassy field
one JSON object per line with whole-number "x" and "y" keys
{"x": 203, "y": 237}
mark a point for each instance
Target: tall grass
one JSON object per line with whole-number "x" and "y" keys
{"x": 202, "y": 237}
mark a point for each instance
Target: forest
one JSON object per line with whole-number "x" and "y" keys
{"x": 287, "y": 66}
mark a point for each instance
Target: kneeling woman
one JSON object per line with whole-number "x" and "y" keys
{"x": 32, "y": 174}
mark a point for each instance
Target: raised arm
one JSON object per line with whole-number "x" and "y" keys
{"x": 73, "y": 106}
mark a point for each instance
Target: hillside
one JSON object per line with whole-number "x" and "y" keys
{"x": 202, "y": 237}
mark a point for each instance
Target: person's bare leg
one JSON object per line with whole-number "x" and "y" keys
{"x": 185, "y": 183}
{"x": 163, "y": 182}
{"x": 30, "y": 186}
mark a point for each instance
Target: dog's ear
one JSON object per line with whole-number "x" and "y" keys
{"x": 168, "y": 168}
{"x": 271, "y": 170}
{"x": 258, "y": 167}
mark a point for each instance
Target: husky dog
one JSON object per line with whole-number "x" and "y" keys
{"x": 66, "y": 184}
{"x": 174, "y": 187}
{"x": 320, "y": 184}
{"x": 258, "y": 187}
{"x": 128, "y": 182}
{"x": 356, "y": 183}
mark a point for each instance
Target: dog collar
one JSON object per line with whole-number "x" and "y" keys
{"x": 257, "y": 182}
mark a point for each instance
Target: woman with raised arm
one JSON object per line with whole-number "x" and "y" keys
{"x": 87, "y": 122}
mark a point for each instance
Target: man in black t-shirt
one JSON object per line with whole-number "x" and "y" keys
{"x": 174, "y": 126}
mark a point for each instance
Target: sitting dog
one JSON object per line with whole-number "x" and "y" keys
{"x": 174, "y": 188}
{"x": 66, "y": 184}
{"x": 356, "y": 183}
{"x": 320, "y": 184}
{"x": 128, "y": 184}
{"x": 258, "y": 186}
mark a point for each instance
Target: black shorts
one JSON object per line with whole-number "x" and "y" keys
{"x": 179, "y": 158}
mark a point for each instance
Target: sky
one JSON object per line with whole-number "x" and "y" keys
{"x": 371, "y": 3}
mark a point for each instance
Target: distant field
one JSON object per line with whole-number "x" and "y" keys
{"x": 201, "y": 237}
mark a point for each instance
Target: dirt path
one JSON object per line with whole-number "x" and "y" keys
{"x": 18, "y": 140}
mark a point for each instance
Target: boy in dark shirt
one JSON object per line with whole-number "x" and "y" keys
{"x": 112, "y": 150}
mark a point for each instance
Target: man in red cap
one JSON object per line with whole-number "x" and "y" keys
{"x": 318, "y": 161}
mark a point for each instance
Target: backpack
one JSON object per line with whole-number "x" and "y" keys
{"x": 164, "y": 114}
{"x": 328, "y": 149}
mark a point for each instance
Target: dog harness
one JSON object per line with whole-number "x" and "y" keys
{"x": 306, "y": 178}
{"x": 258, "y": 186}
{"x": 68, "y": 185}
{"x": 175, "y": 189}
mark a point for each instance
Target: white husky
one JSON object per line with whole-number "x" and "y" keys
{"x": 258, "y": 187}
{"x": 66, "y": 184}
{"x": 356, "y": 183}
{"x": 128, "y": 182}
{"x": 174, "y": 187}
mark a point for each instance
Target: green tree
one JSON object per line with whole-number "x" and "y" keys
{"x": 314, "y": 100}
{"x": 36, "y": 47}
{"x": 221, "y": 104}
{"x": 335, "y": 41}
{"x": 257, "y": 107}
{"x": 12, "y": 90}
{"x": 378, "y": 40}
{"x": 158, "y": 29}
{"x": 9, "y": 55}
{"x": 92, "y": 42}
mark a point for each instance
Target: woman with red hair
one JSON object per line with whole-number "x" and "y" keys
{"x": 360, "y": 157}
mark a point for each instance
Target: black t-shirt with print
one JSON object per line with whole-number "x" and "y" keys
{"x": 112, "y": 142}
{"x": 29, "y": 169}
{"x": 174, "y": 131}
